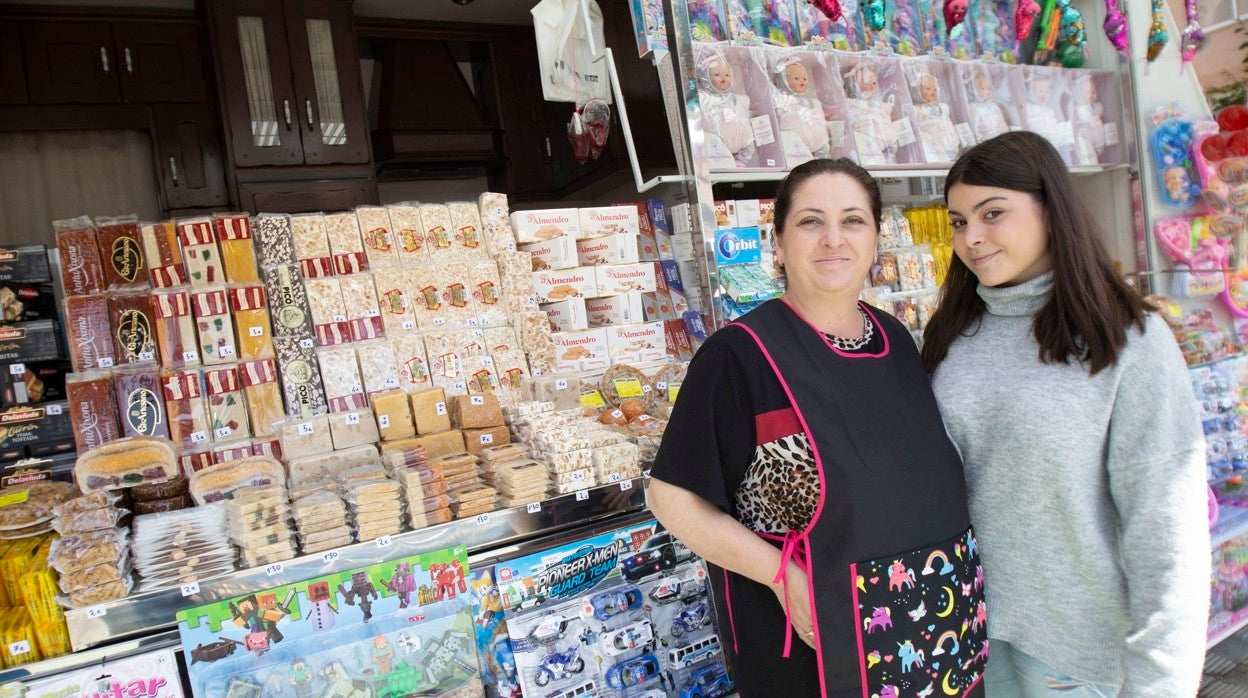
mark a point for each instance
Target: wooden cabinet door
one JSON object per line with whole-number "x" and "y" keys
{"x": 70, "y": 62}
{"x": 326, "y": 68}
{"x": 159, "y": 62}
{"x": 188, "y": 156}
{"x": 300, "y": 197}
{"x": 530, "y": 152}
{"x": 249, "y": 37}
{"x": 12, "y": 73}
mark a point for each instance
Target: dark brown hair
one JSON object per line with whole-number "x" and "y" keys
{"x": 813, "y": 168}
{"x": 1091, "y": 308}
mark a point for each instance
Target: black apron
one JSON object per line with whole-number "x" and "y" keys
{"x": 894, "y": 574}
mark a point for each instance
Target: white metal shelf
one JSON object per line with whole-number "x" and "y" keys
{"x": 879, "y": 172}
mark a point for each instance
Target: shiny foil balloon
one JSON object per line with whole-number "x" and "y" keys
{"x": 830, "y": 9}
{"x": 873, "y": 14}
{"x": 1157, "y": 34}
{"x": 955, "y": 12}
{"x": 1193, "y": 34}
{"x": 1116, "y": 26}
{"x": 1025, "y": 13}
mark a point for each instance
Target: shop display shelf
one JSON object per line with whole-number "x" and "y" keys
{"x": 878, "y": 171}
{"x": 149, "y": 612}
{"x": 76, "y": 661}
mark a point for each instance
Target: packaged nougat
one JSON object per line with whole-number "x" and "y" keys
{"x": 88, "y": 333}
{"x": 200, "y": 255}
{"x": 253, "y": 330}
{"x": 424, "y": 294}
{"x": 393, "y": 301}
{"x": 214, "y": 325}
{"x": 376, "y": 232}
{"x": 439, "y": 236}
{"x": 469, "y": 238}
{"x": 139, "y": 402}
{"x": 343, "y": 230}
{"x": 409, "y": 360}
{"x": 238, "y": 254}
{"x": 162, "y": 254}
{"x": 496, "y": 223}
{"x": 409, "y": 234}
{"x": 329, "y": 313}
{"x": 288, "y": 303}
{"x": 312, "y": 245}
{"x": 359, "y": 299}
{"x": 176, "y": 339}
{"x": 227, "y": 411}
{"x": 263, "y": 395}
{"x": 185, "y": 407}
{"x": 340, "y": 373}
{"x": 81, "y": 268}
{"x": 275, "y": 243}
{"x": 92, "y": 409}
{"x": 133, "y": 320}
{"x": 121, "y": 253}
{"x": 377, "y": 365}
{"x": 487, "y": 294}
{"x": 301, "y": 377}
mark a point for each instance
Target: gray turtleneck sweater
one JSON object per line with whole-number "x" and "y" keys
{"x": 1088, "y": 497}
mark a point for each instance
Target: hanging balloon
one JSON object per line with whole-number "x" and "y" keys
{"x": 1072, "y": 28}
{"x": 873, "y": 14}
{"x": 1193, "y": 34}
{"x": 830, "y": 9}
{"x": 1025, "y": 13}
{"x": 1116, "y": 26}
{"x": 955, "y": 12}
{"x": 1157, "y": 34}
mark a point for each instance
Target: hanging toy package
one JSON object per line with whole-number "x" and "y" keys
{"x": 1043, "y": 91}
{"x": 1095, "y": 117}
{"x": 706, "y": 21}
{"x": 1157, "y": 34}
{"x": 989, "y": 104}
{"x": 755, "y": 22}
{"x": 1171, "y": 145}
{"x": 994, "y": 24}
{"x": 588, "y": 130}
{"x": 1116, "y": 27}
{"x": 737, "y": 116}
{"x": 1193, "y": 33}
{"x": 830, "y": 24}
{"x": 876, "y": 105}
{"x": 809, "y": 104}
{"x": 899, "y": 29}
{"x": 939, "y": 110}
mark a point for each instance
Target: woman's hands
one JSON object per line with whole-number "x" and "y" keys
{"x": 795, "y": 587}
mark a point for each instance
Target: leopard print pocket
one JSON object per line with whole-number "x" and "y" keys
{"x": 780, "y": 490}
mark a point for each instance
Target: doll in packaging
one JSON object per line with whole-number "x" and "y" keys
{"x": 726, "y": 113}
{"x": 1038, "y": 113}
{"x": 987, "y": 117}
{"x": 870, "y": 116}
{"x": 1089, "y": 122}
{"x": 936, "y": 130}
{"x": 797, "y": 106}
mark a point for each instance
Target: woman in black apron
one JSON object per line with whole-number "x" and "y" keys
{"x": 807, "y": 461}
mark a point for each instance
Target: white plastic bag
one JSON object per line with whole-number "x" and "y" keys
{"x": 564, "y": 53}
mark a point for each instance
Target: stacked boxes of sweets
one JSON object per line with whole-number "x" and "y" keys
{"x": 373, "y": 501}
{"x": 423, "y": 486}
{"x": 481, "y": 420}
{"x": 321, "y": 519}
{"x": 518, "y": 479}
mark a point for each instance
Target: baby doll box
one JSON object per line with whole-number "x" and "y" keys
{"x": 816, "y": 31}
{"x": 989, "y": 103}
{"x": 939, "y": 108}
{"x": 808, "y": 104}
{"x": 1044, "y": 94}
{"x": 876, "y": 101}
{"x": 737, "y": 117}
{"x": 1095, "y": 109}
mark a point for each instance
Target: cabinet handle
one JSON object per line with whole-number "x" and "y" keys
{"x": 173, "y": 169}
{"x": 286, "y": 109}
{"x": 548, "y": 153}
{"x": 104, "y": 59}
{"x": 129, "y": 61}
{"x": 308, "y": 103}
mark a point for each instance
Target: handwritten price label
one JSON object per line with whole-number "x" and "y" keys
{"x": 482, "y": 519}
{"x": 307, "y": 343}
{"x": 190, "y": 589}
{"x": 613, "y": 477}
{"x": 147, "y": 356}
{"x": 487, "y": 438}
{"x": 384, "y": 421}
{"x": 440, "y": 408}
{"x": 17, "y": 369}
{"x": 198, "y": 437}
{"x": 329, "y": 556}
{"x": 534, "y": 507}
{"x": 577, "y": 476}
{"x": 225, "y": 351}
{"x": 477, "y": 400}
{"x": 19, "y": 647}
{"x": 582, "y": 495}
{"x": 626, "y": 485}
{"x": 190, "y": 356}
{"x": 438, "y": 322}
{"x": 306, "y": 429}
{"x": 54, "y": 409}
{"x": 224, "y": 432}
{"x": 105, "y": 362}
{"x": 409, "y": 325}
{"x": 274, "y": 569}
{"x": 561, "y": 384}
{"x": 645, "y": 474}
{"x": 384, "y": 542}
{"x": 97, "y": 612}
{"x": 255, "y": 331}
{"x": 354, "y": 418}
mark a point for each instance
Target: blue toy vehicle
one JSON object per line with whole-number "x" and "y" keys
{"x": 633, "y": 672}
{"x": 559, "y": 665}
{"x": 690, "y": 618}
{"x": 622, "y": 600}
{"x": 707, "y": 682}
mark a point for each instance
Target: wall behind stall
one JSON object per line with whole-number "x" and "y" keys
{"x": 1218, "y": 62}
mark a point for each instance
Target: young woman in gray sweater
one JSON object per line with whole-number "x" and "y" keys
{"x": 1084, "y": 456}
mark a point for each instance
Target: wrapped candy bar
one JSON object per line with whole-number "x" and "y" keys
{"x": 88, "y": 333}
{"x": 200, "y": 255}
{"x": 510, "y": 367}
{"x": 234, "y": 450}
{"x": 377, "y": 365}
{"x": 439, "y": 235}
{"x": 425, "y": 298}
{"x": 515, "y": 270}
{"x": 216, "y": 331}
{"x": 312, "y": 245}
{"x": 480, "y": 375}
{"x": 195, "y": 460}
{"x": 92, "y": 409}
{"x": 227, "y": 410}
{"x": 81, "y": 268}
{"x": 302, "y": 438}
{"x": 176, "y": 339}
{"x": 139, "y": 402}
{"x": 359, "y": 298}
{"x": 288, "y": 303}
{"x": 344, "y": 389}
{"x": 379, "y": 244}
{"x": 250, "y": 308}
{"x": 393, "y": 301}
{"x": 262, "y": 393}
{"x": 270, "y": 446}
{"x": 185, "y": 408}
{"x": 133, "y": 322}
{"x": 301, "y": 377}
{"x": 409, "y": 359}
{"x": 121, "y": 253}
{"x": 445, "y": 363}
{"x": 466, "y": 222}
{"x": 537, "y": 342}
{"x": 496, "y": 223}
{"x": 162, "y": 254}
{"x": 500, "y": 338}
{"x": 354, "y": 428}
{"x": 343, "y": 231}
{"x": 275, "y": 242}
{"x": 487, "y": 293}
{"x": 409, "y": 235}
{"x": 329, "y": 313}
{"x": 457, "y": 301}
{"x": 238, "y": 255}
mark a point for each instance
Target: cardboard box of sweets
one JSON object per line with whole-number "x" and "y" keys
{"x": 25, "y": 264}
{"x": 35, "y": 430}
{"x": 38, "y": 340}
{"x": 25, "y": 302}
{"x": 33, "y": 382}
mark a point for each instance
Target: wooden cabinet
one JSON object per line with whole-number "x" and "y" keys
{"x": 188, "y": 156}
{"x": 110, "y": 62}
{"x": 299, "y": 197}
{"x": 290, "y": 81}
{"x": 12, "y": 71}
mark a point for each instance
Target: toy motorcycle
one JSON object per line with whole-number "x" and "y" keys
{"x": 690, "y": 618}
{"x": 559, "y": 665}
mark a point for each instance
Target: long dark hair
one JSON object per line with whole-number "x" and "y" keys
{"x": 1091, "y": 308}
{"x": 813, "y": 168}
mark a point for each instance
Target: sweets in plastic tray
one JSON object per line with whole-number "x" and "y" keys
{"x": 176, "y": 339}
{"x": 238, "y": 255}
{"x": 125, "y": 463}
{"x": 200, "y": 255}
{"x": 162, "y": 254}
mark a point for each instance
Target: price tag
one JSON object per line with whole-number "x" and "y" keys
{"x": 225, "y": 351}
{"x": 198, "y": 437}
{"x": 105, "y": 362}
{"x": 409, "y": 325}
{"x": 438, "y": 322}
{"x": 628, "y": 387}
{"x": 190, "y": 356}
{"x": 592, "y": 398}
{"x": 482, "y": 519}
{"x": 487, "y": 439}
{"x": 440, "y": 408}
{"x": 147, "y": 356}
{"x": 384, "y": 542}
{"x": 356, "y": 390}
{"x": 534, "y": 507}
{"x": 329, "y": 556}
{"x": 391, "y": 382}
{"x": 17, "y": 369}
{"x": 626, "y": 485}
{"x": 472, "y": 322}
{"x": 460, "y": 387}
{"x": 561, "y": 384}
{"x": 255, "y": 331}
{"x": 531, "y": 302}
{"x": 645, "y": 474}
{"x": 485, "y": 319}
{"x": 306, "y": 429}
{"x": 383, "y": 421}
{"x": 274, "y": 569}
{"x": 97, "y": 612}
{"x": 190, "y": 589}
{"x": 578, "y": 475}
{"x": 307, "y": 343}
{"x": 19, "y": 647}
{"x": 477, "y": 400}
{"x": 965, "y": 134}
{"x": 613, "y": 477}
{"x": 54, "y": 409}
{"x": 673, "y": 389}
{"x": 224, "y": 432}
{"x": 582, "y": 495}
{"x": 372, "y": 312}
{"x": 646, "y": 389}
{"x": 340, "y": 318}
{"x": 660, "y": 385}
{"x": 354, "y": 418}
